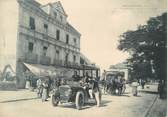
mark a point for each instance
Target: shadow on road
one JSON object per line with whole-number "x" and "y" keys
{"x": 72, "y": 106}
{"x": 138, "y": 96}
{"x": 86, "y": 106}
{"x": 104, "y": 103}
{"x": 124, "y": 95}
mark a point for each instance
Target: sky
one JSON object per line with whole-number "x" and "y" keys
{"x": 101, "y": 22}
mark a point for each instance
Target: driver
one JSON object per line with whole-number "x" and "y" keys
{"x": 76, "y": 77}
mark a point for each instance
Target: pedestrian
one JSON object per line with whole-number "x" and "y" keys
{"x": 104, "y": 81}
{"x": 120, "y": 84}
{"x": 28, "y": 82}
{"x": 44, "y": 90}
{"x": 39, "y": 88}
{"x": 124, "y": 86}
{"x": 49, "y": 82}
{"x": 135, "y": 85}
{"x": 142, "y": 84}
{"x": 56, "y": 82}
{"x": 117, "y": 84}
{"x": 114, "y": 85}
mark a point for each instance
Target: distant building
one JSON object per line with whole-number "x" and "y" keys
{"x": 121, "y": 68}
{"x": 35, "y": 35}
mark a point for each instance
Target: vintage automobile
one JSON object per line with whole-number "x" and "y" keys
{"x": 79, "y": 92}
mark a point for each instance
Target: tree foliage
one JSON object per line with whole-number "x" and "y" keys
{"x": 147, "y": 47}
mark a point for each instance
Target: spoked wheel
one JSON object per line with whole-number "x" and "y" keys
{"x": 55, "y": 100}
{"x": 79, "y": 101}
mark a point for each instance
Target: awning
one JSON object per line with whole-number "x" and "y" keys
{"x": 41, "y": 70}
{"x": 85, "y": 59}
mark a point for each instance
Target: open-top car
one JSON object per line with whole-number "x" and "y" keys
{"x": 80, "y": 88}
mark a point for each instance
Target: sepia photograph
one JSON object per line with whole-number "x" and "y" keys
{"x": 83, "y": 58}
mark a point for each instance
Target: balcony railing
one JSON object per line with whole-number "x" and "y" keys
{"x": 31, "y": 58}
{"x": 70, "y": 64}
{"x": 66, "y": 64}
{"x": 45, "y": 60}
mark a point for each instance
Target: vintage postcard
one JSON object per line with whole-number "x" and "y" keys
{"x": 81, "y": 58}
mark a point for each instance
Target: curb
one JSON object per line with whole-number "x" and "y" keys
{"x": 16, "y": 100}
{"x": 149, "y": 109}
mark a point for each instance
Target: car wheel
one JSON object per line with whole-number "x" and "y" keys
{"x": 55, "y": 100}
{"x": 79, "y": 101}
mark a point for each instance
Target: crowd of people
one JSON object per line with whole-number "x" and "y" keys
{"x": 43, "y": 88}
{"x": 114, "y": 85}
{"x": 44, "y": 85}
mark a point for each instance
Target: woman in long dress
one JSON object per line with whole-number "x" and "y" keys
{"x": 134, "y": 88}
{"x": 39, "y": 88}
{"x": 28, "y": 84}
{"x": 45, "y": 91}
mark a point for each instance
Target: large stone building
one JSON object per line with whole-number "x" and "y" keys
{"x": 35, "y": 35}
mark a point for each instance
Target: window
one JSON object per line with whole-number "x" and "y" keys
{"x": 57, "y": 55}
{"x": 61, "y": 18}
{"x": 74, "y": 58}
{"x": 58, "y": 34}
{"x": 45, "y": 50}
{"x": 66, "y": 58}
{"x": 75, "y": 41}
{"x": 55, "y": 14}
{"x": 30, "y": 47}
{"x": 32, "y": 23}
{"x": 46, "y": 28}
{"x": 67, "y": 39}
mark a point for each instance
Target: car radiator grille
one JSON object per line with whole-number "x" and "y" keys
{"x": 64, "y": 89}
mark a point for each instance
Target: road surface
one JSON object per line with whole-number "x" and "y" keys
{"x": 25, "y": 104}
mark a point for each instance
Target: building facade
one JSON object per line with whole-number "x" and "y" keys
{"x": 39, "y": 35}
{"x": 45, "y": 36}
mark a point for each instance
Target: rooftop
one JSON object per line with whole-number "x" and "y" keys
{"x": 122, "y": 65}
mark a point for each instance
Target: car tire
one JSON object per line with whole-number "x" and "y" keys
{"x": 79, "y": 101}
{"x": 55, "y": 100}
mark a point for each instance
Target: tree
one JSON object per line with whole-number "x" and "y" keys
{"x": 147, "y": 47}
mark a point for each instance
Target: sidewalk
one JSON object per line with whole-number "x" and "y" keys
{"x": 159, "y": 106}
{"x": 159, "y": 109}
{"x": 13, "y": 96}
{"x": 149, "y": 89}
